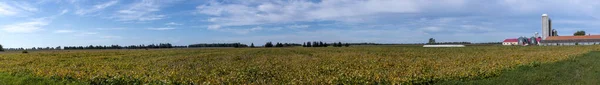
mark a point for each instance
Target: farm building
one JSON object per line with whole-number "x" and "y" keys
{"x": 550, "y": 36}
{"x": 510, "y": 42}
{"x": 571, "y": 40}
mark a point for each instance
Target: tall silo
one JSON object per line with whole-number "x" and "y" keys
{"x": 546, "y": 26}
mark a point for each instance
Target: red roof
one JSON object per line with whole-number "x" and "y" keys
{"x": 573, "y": 37}
{"x": 511, "y": 40}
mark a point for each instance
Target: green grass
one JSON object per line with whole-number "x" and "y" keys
{"x": 582, "y": 70}
{"x": 26, "y": 79}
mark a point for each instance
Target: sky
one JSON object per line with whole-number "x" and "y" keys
{"x": 42, "y": 23}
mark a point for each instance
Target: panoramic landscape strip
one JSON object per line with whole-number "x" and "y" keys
{"x": 293, "y": 65}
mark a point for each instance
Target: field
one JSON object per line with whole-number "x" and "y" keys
{"x": 328, "y": 65}
{"x": 582, "y": 70}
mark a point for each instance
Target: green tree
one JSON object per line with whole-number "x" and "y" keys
{"x": 269, "y": 44}
{"x": 252, "y": 45}
{"x": 303, "y": 44}
{"x": 321, "y": 44}
{"x": 278, "y": 45}
{"x": 1, "y": 48}
{"x": 334, "y": 44}
{"x": 431, "y": 41}
{"x": 579, "y": 33}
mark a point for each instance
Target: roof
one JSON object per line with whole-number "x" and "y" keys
{"x": 586, "y": 37}
{"x": 570, "y": 41}
{"x": 511, "y": 40}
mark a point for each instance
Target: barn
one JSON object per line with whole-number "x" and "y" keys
{"x": 510, "y": 42}
{"x": 571, "y": 40}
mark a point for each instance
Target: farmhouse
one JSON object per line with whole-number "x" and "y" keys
{"x": 510, "y": 42}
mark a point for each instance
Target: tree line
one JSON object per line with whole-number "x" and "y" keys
{"x": 236, "y": 45}
{"x": 270, "y": 44}
{"x": 450, "y": 43}
{"x": 34, "y": 48}
{"x": 150, "y": 46}
{"x": 322, "y": 44}
{"x": 168, "y": 45}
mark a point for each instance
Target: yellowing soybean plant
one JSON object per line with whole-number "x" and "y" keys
{"x": 282, "y": 65}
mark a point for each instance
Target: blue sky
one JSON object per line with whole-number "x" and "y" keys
{"x": 41, "y": 23}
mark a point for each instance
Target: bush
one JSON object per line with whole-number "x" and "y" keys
{"x": 25, "y": 51}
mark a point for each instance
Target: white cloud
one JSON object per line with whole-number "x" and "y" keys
{"x": 241, "y": 31}
{"x": 64, "y": 12}
{"x": 116, "y": 28}
{"x": 255, "y": 28}
{"x": 96, "y": 8}
{"x": 432, "y": 29}
{"x": 475, "y": 28}
{"x": 110, "y": 37}
{"x": 246, "y": 30}
{"x": 214, "y": 27}
{"x": 295, "y": 26}
{"x": 89, "y": 33}
{"x": 173, "y": 23}
{"x": 64, "y": 31}
{"x": 7, "y": 10}
{"x": 162, "y": 28}
{"x": 25, "y": 27}
{"x": 257, "y": 13}
{"x": 86, "y": 33}
{"x": 26, "y": 7}
{"x": 107, "y": 4}
{"x": 141, "y": 11}
{"x": 16, "y": 8}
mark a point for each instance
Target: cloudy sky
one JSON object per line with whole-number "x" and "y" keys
{"x": 41, "y": 23}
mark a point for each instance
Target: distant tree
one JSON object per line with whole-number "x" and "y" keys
{"x": 269, "y": 44}
{"x": 431, "y": 41}
{"x": 278, "y": 45}
{"x": 339, "y": 44}
{"x": 334, "y": 44}
{"x": 303, "y": 44}
{"x": 579, "y": 33}
{"x": 236, "y": 45}
{"x": 1, "y": 48}
{"x": 252, "y": 45}
{"x": 321, "y": 44}
{"x": 347, "y": 45}
{"x": 308, "y": 44}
